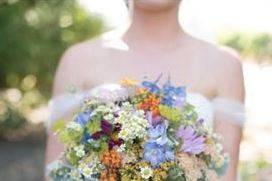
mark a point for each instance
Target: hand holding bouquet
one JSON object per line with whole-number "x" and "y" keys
{"x": 138, "y": 132}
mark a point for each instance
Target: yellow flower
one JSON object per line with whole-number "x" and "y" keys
{"x": 127, "y": 82}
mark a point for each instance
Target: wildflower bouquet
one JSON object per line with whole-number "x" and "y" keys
{"x": 138, "y": 132}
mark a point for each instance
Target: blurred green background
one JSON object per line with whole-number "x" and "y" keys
{"x": 33, "y": 36}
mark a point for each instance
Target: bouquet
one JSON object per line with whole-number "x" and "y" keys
{"x": 132, "y": 131}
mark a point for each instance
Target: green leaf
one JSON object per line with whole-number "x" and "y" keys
{"x": 59, "y": 125}
{"x": 190, "y": 112}
{"x": 70, "y": 136}
{"x": 175, "y": 174}
{"x": 65, "y": 138}
{"x": 172, "y": 114}
{"x": 72, "y": 157}
{"x": 93, "y": 126}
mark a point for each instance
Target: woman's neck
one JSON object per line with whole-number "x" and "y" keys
{"x": 157, "y": 29}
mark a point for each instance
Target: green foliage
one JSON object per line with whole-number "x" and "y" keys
{"x": 189, "y": 115}
{"x": 175, "y": 173}
{"x": 15, "y": 109}
{"x": 34, "y": 34}
{"x": 249, "y": 170}
{"x": 99, "y": 146}
{"x": 171, "y": 114}
{"x": 72, "y": 157}
{"x": 59, "y": 125}
{"x": 103, "y": 147}
{"x": 94, "y": 125}
{"x": 10, "y": 117}
{"x": 60, "y": 174}
{"x": 70, "y": 136}
{"x": 257, "y": 46}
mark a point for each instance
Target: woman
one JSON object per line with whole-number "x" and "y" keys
{"x": 155, "y": 43}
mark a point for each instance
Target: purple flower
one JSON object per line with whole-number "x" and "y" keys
{"x": 200, "y": 121}
{"x": 113, "y": 143}
{"x": 117, "y": 127}
{"x": 157, "y": 154}
{"x": 97, "y": 135}
{"x": 180, "y": 101}
{"x": 106, "y": 127}
{"x": 192, "y": 143}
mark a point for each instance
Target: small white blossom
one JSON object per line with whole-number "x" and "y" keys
{"x": 109, "y": 117}
{"x": 79, "y": 151}
{"x": 146, "y": 172}
{"x": 90, "y": 169}
{"x": 134, "y": 124}
{"x": 74, "y": 126}
{"x": 85, "y": 170}
{"x": 75, "y": 174}
{"x": 121, "y": 148}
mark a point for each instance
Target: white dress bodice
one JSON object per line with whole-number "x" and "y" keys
{"x": 61, "y": 106}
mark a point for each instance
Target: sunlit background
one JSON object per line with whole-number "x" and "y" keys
{"x": 34, "y": 34}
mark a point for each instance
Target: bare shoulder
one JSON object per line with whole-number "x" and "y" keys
{"x": 217, "y": 55}
{"x": 76, "y": 64}
{"x": 82, "y": 51}
{"x": 225, "y": 65}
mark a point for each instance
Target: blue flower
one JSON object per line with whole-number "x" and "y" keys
{"x": 158, "y": 134}
{"x": 151, "y": 87}
{"x": 83, "y": 117}
{"x": 86, "y": 137}
{"x": 157, "y": 154}
{"x": 173, "y": 96}
{"x": 158, "y": 149}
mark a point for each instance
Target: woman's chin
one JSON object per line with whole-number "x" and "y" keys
{"x": 156, "y": 5}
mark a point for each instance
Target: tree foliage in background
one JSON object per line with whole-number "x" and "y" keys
{"x": 34, "y": 34}
{"x": 255, "y": 46}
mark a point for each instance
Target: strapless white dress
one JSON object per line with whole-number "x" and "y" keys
{"x": 234, "y": 111}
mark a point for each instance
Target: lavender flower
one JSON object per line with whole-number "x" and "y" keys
{"x": 192, "y": 143}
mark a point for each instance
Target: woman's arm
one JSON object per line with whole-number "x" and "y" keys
{"x": 231, "y": 136}
{"x": 67, "y": 74}
{"x": 230, "y": 85}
